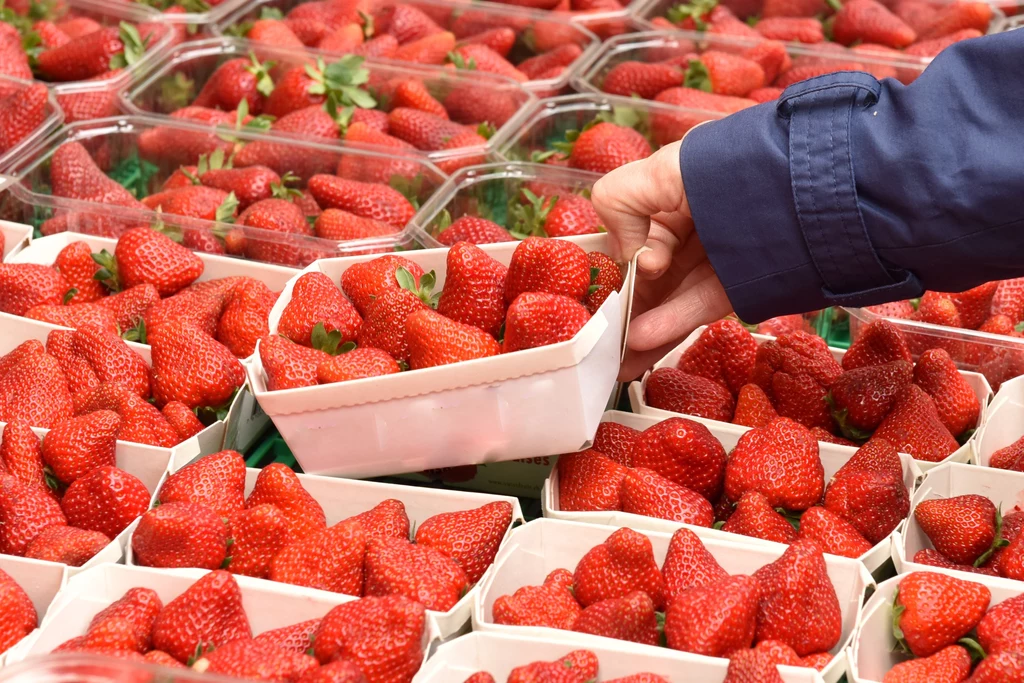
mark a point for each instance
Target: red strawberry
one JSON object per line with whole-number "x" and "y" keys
{"x": 933, "y": 611}
{"x": 192, "y": 367}
{"x": 914, "y": 426}
{"x": 724, "y": 73}
{"x": 474, "y": 230}
{"x": 936, "y": 309}
{"x": 608, "y": 280}
{"x": 724, "y": 352}
{"x": 781, "y": 461}
{"x": 680, "y": 392}
{"x": 798, "y": 603}
{"x": 629, "y": 618}
{"x": 623, "y": 563}
{"x": 357, "y": 364}
{"x": 868, "y": 21}
{"x": 180, "y": 535}
{"x": 414, "y": 94}
{"x": 105, "y": 499}
{"x": 752, "y": 666}
{"x": 471, "y": 537}
{"x": 753, "y": 409}
{"x": 234, "y": 81}
{"x": 364, "y": 282}
{"x": 435, "y": 340}
{"x": 588, "y": 480}
{"x": 1013, "y": 524}
{"x": 962, "y": 528}
{"x": 249, "y": 185}
{"x": 295, "y": 638}
{"x": 431, "y": 49}
{"x": 209, "y": 613}
{"x": 248, "y": 658}
{"x": 25, "y": 511}
{"x": 796, "y": 29}
{"x": 780, "y": 653}
{"x": 288, "y": 365}
{"x": 21, "y": 455}
{"x": 669, "y": 127}
{"x": 951, "y": 663}
{"x": 684, "y": 452}
{"x": 141, "y": 422}
{"x": 1004, "y": 666}
{"x": 111, "y": 359}
{"x": 92, "y": 54}
{"x": 418, "y": 572}
{"x": 35, "y": 391}
{"x": 539, "y": 319}
{"x": 129, "y": 306}
{"x": 370, "y": 200}
{"x": 974, "y": 304}
{"x": 341, "y": 226}
{"x": 641, "y": 79}
{"x": 578, "y": 666}
{"x": 1008, "y": 299}
{"x": 796, "y": 371}
{"x": 384, "y": 325}
{"x": 863, "y": 397}
{"x": 559, "y": 57}
{"x": 551, "y": 605}
{"x": 67, "y": 545}
{"x": 217, "y": 481}
{"x": 873, "y": 502}
{"x": 479, "y": 57}
{"x": 715, "y": 619}
{"x": 933, "y": 558}
{"x": 386, "y": 520}
{"x": 500, "y": 40}
{"x": 1002, "y": 628}
{"x": 474, "y": 290}
{"x": 75, "y": 263}
{"x": 381, "y": 636}
{"x": 895, "y": 309}
{"x": 754, "y": 517}
{"x": 316, "y": 300}
{"x": 822, "y": 434}
{"x": 421, "y": 129}
{"x": 688, "y": 564}
{"x": 26, "y": 285}
{"x": 647, "y": 493}
{"x": 257, "y": 534}
{"x": 405, "y": 22}
{"x": 244, "y": 318}
{"x": 616, "y": 441}
{"x": 956, "y": 402}
{"x": 78, "y": 445}
{"x": 773, "y": 58}
{"x": 833, "y": 533}
{"x": 147, "y": 256}
{"x": 273, "y": 32}
{"x": 329, "y": 560}
{"x": 138, "y": 607}
{"x": 1009, "y": 457}
{"x": 606, "y": 146}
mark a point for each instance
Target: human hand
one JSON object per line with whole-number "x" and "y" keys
{"x": 644, "y": 203}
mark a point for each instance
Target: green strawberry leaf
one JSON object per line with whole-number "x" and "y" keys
{"x": 137, "y": 333}
{"x": 134, "y": 46}
{"x": 227, "y": 209}
{"x": 176, "y": 92}
{"x": 594, "y": 273}
{"x": 107, "y": 274}
{"x": 261, "y": 70}
{"x": 697, "y": 76}
{"x": 69, "y": 295}
{"x": 424, "y": 291}
{"x": 441, "y": 223}
{"x": 842, "y": 419}
{"x": 997, "y": 542}
{"x": 411, "y": 188}
{"x": 239, "y": 30}
{"x": 328, "y": 342}
{"x": 974, "y": 648}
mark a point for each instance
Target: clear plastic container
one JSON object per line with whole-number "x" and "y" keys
{"x": 192, "y": 22}
{"x": 536, "y": 32}
{"x": 52, "y": 118}
{"x": 194, "y": 63}
{"x": 548, "y": 121}
{"x": 491, "y": 191}
{"x": 86, "y": 668}
{"x": 995, "y": 356}
{"x": 115, "y": 143}
{"x": 652, "y": 46}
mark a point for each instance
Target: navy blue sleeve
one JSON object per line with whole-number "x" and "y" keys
{"x": 851, "y": 191}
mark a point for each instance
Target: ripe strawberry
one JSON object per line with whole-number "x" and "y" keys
{"x": 217, "y": 481}
{"x": 363, "y": 282}
{"x": 641, "y": 79}
{"x": 798, "y": 603}
{"x": 435, "y": 340}
{"x": 725, "y": 353}
{"x": 753, "y": 409}
{"x": 384, "y": 325}
{"x": 578, "y": 666}
{"x": 111, "y": 359}
{"x": 791, "y": 29}
{"x": 330, "y": 560}
{"x": 370, "y": 200}
{"x": 146, "y": 256}
{"x": 973, "y": 305}
{"x": 616, "y": 441}
{"x": 75, "y": 263}
{"x": 234, "y": 81}
{"x": 723, "y": 73}
{"x": 288, "y": 365}
{"x": 873, "y": 502}
{"x": 936, "y": 309}
{"x": 1009, "y": 457}
{"x": 21, "y": 454}
{"x": 421, "y": 129}
{"x": 385, "y": 520}
{"x": 316, "y": 300}
{"x": 249, "y": 185}
{"x": 684, "y": 452}
{"x": 863, "y": 397}
{"x": 192, "y": 367}
{"x": 1004, "y": 666}
{"x": 405, "y": 22}
{"x": 474, "y": 230}
{"x": 607, "y": 280}
{"x": 35, "y": 391}
{"x": 129, "y": 306}
{"x": 962, "y": 528}
{"x": 248, "y": 658}
{"x": 92, "y": 54}
{"x": 933, "y": 611}
{"x": 379, "y": 47}
{"x": 605, "y": 146}
{"x": 19, "y": 614}
{"x": 106, "y": 499}
{"x": 680, "y": 392}
{"x": 629, "y": 618}
{"x": 868, "y": 21}
{"x": 431, "y": 49}
{"x": 833, "y": 533}
{"x": 180, "y": 535}
{"x": 1008, "y": 299}
{"x": 208, "y": 614}
{"x": 471, "y": 537}
{"x": 273, "y": 32}
{"x": 647, "y": 493}
{"x": 558, "y": 57}
{"x": 914, "y": 426}
{"x": 78, "y": 445}
{"x": 754, "y": 517}
{"x": 141, "y": 422}
{"x": 396, "y": 566}
{"x": 540, "y": 319}
{"x": 26, "y": 285}
{"x": 781, "y": 461}
{"x": 688, "y": 564}
{"x": 381, "y": 636}
{"x": 295, "y": 638}
{"x": 715, "y": 619}
{"x": 956, "y": 402}
{"x": 779, "y": 652}
{"x": 551, "y": 605}
{"x": 414, "y": 94}
{"x": 25, "y": 511}
{"x": 500, "y": 40}
{"x": 826, "y": 436}
{"x": 895, "y": 309}
{"x": 933, "y": 558}
{"x": 669, "y": 127}
{"x": 357, "y": 364}
{"x": 257, "y": 534}
{"x": 244, "y": 318}
{"x": 623, "y": 563}
{"x": 796, "y": 371}
{"x": 479, "y": 57}
{"x": 474, "y": 291}
{"x": 1001, "y": 629}
{"x": 588, "y": 480}
{"x": 66, "y": 545}
{"x": 551, "y": 266}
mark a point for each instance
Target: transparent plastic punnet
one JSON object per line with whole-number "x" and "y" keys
{"x": 536, "y": 32}
{"x": 197, "y": 15}
{"x": 186, "y": 69}
{"x": 125, "y": 149}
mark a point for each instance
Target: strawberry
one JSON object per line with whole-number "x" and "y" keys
{"x": 641, "y": 79}
{"x": 723, "y": 73}
{"x": 257, "y": 534}
{"x": 895, "y": 309}
{"x": 791, "y": 29}
{"x": 754, "y": 517}
{"x": 435, "y": 340}
{"x": 25, "y": 511}
{"x": 395, "y": 566}
{"x": 973, "y": 305}
{"x": 191, "y": 309}
{"x": 796, "y": 371}
{"x": 180, "y": 535}
{"x": 330, "y": 560}
{"x": 78, "y": 445}
{"x": 414, "y": 94}
{"x": 588, "y": 480}
{"x": 249, "y": 185}
{"x": 338, "y": 671}
{"x": 386, "y": 520}
{"x": 341, "y": 226}
{"x": 932, "y": 611}
{"x": 680, "y": 392}
{"x": 21, "y": 454}
{"x": 92, "y": 54}
{"x": 381, "y": 636}
{"x": 551, "y": 266}
{"x": 273, "y": 32}
{"x": 751, "y": 666}
{"x": 431, "y": 49}
{"x": 405, "y": 22}
{"x": 822, "y": 434}
{"x": 1008, "y": 299}
{"x": 74, "y": 316}
{"x": 192, "y": 367}
{"x": 938, "y": 309}
{"x": 623, "y": 563}
{"x": 607, "y": 280}
{"x": 753, "y": 409}
{"x": 669, "y": 127}
{"x": 499, "y": 40}
{"x": 616, "y": 441}
{"x": 379, "y": 47}
{"x": 357, "y": 364}
{"x": 962, "y": 528}
{"x": 141, "y": 422}
{"x": 316, "y": 300}
{"x": 684, "y": 452}
{"x": 129, "y": 306}
{"x": 244, "y": 318}
{"x": 111, "y": 359}
{"x": 295, "y": 638}
{"x": 873, "y": 502}
{"x": 781, "y": 461}
{"x": 480, "y": 677}
{"x": 629, "y": 618}
{"x": 66, "y": 545}
{"x": 869, "y": 21}
{"x": 914, "y": 427}
{"x": 364, "y": 282}
{"x": 955, "y": 17}
{"x": 146, "y": 256}
{"x": 798, "y": 604}
{"x": 1001, "y": 628}
{"x": 559, "y": 56}
{"x": 35, "y": 391}
{"x": 370, "y": 200}
{"x": 471, "y": 538}
{"x": 540, "y": 319}
{"x": 106, "y": 499}
{"x": 421, "y": 129}
{"x": 26, "y": 285}
{"x": 18, "y": 613}
{"x": 384, "y": 325}
{"x": 21, "y": 114}
{"x": 578, "y": 666}
{"x": 253, "y": 659}
{"x": 933, "y": 558}
{"x": 308, "y": 85}
{"x": 474, "y": 289}
{"x": 217, "y": 481}
{"x": 479, "y": 57}
{"x": 208, "y": 614}
{"x": 863, "y": 397}
{"x": 725, "y": 352}
{"x": 647, "y": 493}
{"x": 688, "y": 564}
{"x": 715, "y": 619}
{"x": 605, "y": 146}
{"x": 1004, "y": 666}
{"x": 75, "y": 263}
{"x": 234, "y": 81}
{"x": 195, "y": 201}
{"x": 551, "y": 605}
{"x": 288, "y": 365}
{"x": 474, "y": 230}
{"x": 833, "y": 533}
{"x": 956, "y": 402}
{"x": 1009, "y": 457}
{"x": 780, "y": 653}
{"x": 794, "y": 8}
{"x": 112, "y": 633}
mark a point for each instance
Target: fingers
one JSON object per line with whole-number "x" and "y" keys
{"x": 699, "y": 299}
{"x": 629, "y": 196}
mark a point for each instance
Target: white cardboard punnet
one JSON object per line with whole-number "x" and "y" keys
{"x": 268, "y": 605}
{"x": 499, "y": 653}
{"x": 1005, "y": 489}
{"x": 832, "y": 458}
{"x": 521, "y": 405}
{"x": 41, "y": 580}
{"x": 344, "y": 498}
{"x": 872, "y": 652}
{"x": 15, "y": 236}
{"x": 637, "y": 392}
{"x": 541, "y": 546}
{"x": 1004, "y": 422}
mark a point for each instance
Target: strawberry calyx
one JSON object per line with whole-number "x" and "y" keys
{"x": 460, "y": 62}
{"x": 261, "y": 70}
{"x": 425, "y": 291}
{"x": 197, "y": 659}
{"x": 107, "y": 274}
{"x": 228, "y": 208}
{"x": 697, "y": 76}
{"x": 282, "y": 191}
{"x": 997, "y": 542}
{"x": 339, "y": 81}
{"x": 842, "y": 419}
{"x": 694, "y": 12}
{"x": 329, "y": 342}
{"x": 134, "y": 47}
{"x": 69, "y": 295}
{"x": 177, "y": 92}
{"x": 368, "y": 26}
{"x": 136, "y": 334}
{"x": 897, "y": 631}
{"x": 208, "y": 415}
{"x": 594, "y": 273}
{"x": 529, "y": 219}
{"x": 973, "y": 648}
